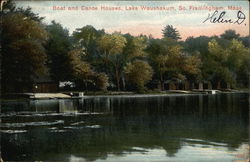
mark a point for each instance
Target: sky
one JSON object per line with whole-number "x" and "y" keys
{"x": 188, "y": 22}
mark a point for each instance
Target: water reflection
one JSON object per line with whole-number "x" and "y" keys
{"x": 126, "y": 128}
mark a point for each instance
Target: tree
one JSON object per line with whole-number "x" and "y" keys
{"x": 192, "y": 68}
{"x": 243, "y": 73}
{"x": 166, "y": 58}
{"x": 10, "y": 7}
{"x": 87, "y": 37}
{"x": 228, "y": 64}
{"x": 216, "y": 65}
{"x": 236, "y": 54}
{"x": 246, "y": 41}
{"x": 101, "y": 81}
{"x": 57, "y": 49}
{"x": 217, "y": 53}
{"x": 170, "y": 32}
{"x": 238, "y": 60}
{"x": 139, "y": 73}
{"x": 198, "y": 45}
{"x": 23, "y": 55}
{"x": 230, "y": 34}
{"x": 134, "y": 49}
{"x": 83, "y": 75}
{"x": 28, "y": 12}
{"x": 111, "y": 46}
{"x": 80, "y": 70}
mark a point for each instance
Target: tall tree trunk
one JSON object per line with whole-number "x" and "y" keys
{"x": 117, "y": 78}
{"x": 219, "y": 85}
{"x": 123, "y": 82}
{"x": 162, "y": 82}
{"x": 86, "y": 85}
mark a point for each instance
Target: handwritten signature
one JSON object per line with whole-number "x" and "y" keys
{"x": 217, "y": 17}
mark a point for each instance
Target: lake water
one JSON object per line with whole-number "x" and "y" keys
{"x": 127, "y": 128}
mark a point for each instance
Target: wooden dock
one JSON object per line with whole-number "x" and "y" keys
{"x": 48, "y": 96}
{"x": 38, "y": 95}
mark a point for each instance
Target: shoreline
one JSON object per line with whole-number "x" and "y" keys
{"x": 90, "y": 94}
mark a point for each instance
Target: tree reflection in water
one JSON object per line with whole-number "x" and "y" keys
{"x": 99, "y": 127}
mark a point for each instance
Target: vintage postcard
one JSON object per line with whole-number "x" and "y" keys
{"x": 124, "y": 81}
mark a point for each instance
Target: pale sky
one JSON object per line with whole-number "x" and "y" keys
{"x": 136, "y": 22}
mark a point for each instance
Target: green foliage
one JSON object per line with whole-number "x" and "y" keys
{"x": 237, "y": 53}
{"x": 139, "y": 73}
{"x": 230, "y": 34}
{"x": 111, "y": 46}
{"x": 23, "y": 54}
{"x": 86, "y": 37}
{"x": 135, "y": 47}
{"x": 192, "y": 68}
{"x": 57, "y": 48}
{"x": 10, "y": 7}
{"x": 224, "y": 64}
{"x": 217, "y": 52}
{"x": 28, "y": 12}
{"x": 170, "y": 32}
{"x": 101, "y": 81}
{"x": 218, "y": 59}
{"x": 83, "y": 75}
{"x": 245, "y": 41}
{"x": 238, "y": 61}
{"x": 167, "y": 59}
{"x": 79, "y": 68}
{"x": 198, "y": 45}
{"x": 94, "y": 59}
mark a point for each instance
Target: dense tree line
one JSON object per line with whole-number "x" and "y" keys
{"x": 96, "y": 60}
